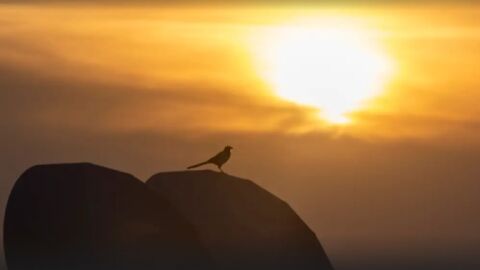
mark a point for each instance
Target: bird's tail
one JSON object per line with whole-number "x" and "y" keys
{"x": 198, "y": 165}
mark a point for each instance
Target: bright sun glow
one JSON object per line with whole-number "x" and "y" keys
{"x": 332, "y": 68}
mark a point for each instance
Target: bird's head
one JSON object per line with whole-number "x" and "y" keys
{"x": 228, "y": 148}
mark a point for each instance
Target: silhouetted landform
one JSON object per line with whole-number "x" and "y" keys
{"x": 86, "y": 217}
{"x": 242, "y": 225}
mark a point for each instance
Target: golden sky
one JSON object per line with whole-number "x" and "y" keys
{"x": 148, "y": 88}
{"x": 206, "y": 58}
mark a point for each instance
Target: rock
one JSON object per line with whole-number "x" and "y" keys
{"x": 82, "y": 216}
{"x": 242, "y": 225}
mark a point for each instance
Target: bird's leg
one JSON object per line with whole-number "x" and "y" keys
{"x": 220, "y": 168}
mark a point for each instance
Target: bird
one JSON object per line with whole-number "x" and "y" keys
{"x": 219, "y": 159}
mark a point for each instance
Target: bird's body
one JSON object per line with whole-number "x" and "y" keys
{"x": 219, "y": 159}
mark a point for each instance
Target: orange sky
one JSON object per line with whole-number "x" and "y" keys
{"x": 431, "y": 90}
{"x": 141, "y": 88}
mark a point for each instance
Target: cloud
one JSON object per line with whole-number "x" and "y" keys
{"x": 136, "y": 69}
{"x": 107, "y": 77}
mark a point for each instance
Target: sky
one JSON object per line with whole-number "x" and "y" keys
{"x": 149, "y": 88}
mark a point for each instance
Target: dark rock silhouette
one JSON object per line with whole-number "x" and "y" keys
{"x": 87, "y": 217}
{"x": 82, "y": 216}
{"x": 242, "y": 225}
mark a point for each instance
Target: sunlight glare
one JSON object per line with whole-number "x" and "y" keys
{"x": 335, "y": 69}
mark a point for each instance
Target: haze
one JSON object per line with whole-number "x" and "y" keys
{"x": 154, "y": 88}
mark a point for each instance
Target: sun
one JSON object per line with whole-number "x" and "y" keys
{"x": 333, "y": 68}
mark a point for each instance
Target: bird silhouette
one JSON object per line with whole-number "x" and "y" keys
{"x": 219, "y": 159}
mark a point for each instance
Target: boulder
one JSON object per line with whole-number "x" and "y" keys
{"x": 83, "y": 216}
{"x": 242, "y": 225}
